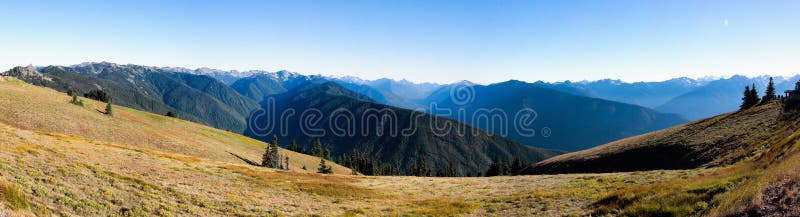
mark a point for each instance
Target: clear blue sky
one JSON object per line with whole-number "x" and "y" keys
{"x": 425, "y": 40}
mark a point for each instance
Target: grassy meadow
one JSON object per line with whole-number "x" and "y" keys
{"x": 65, "y": 160}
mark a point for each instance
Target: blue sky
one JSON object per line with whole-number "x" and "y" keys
{"x": 439, "y": 41}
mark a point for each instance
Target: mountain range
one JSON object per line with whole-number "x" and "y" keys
{"x": 739, "y": 163}
{"x": 597, "y": 112}
{"x": 396, "y": 136}
{"x": 194, "y": 97}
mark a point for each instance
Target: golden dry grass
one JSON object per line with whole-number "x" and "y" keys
{"x": 33, "y": 108}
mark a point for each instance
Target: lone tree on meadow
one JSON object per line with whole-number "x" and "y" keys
{"x": 271, "y": 157}
{"x": 750, "y": 97}
{"x": 109, "y": 109}
{"x": 275, "y": 156}
{"x": 769, "y": 94}
{"x": 324, "y": 168}
{"x": 267, "y": 158}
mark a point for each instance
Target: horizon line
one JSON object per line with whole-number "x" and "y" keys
{"x": 264, "y": 71}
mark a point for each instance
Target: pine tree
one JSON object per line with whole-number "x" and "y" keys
{"x": 266, "y": 158}
{"x": 316, "y": 151}
{"x": 324, "y": 168}
{"x": 517, "y": 166}
{"x": 745, "y": 96}
{"x": 504, "y": 169}
{"x": 326, "y": 153}
{"x": 304, "y": 167}
{"x": 275, "y": 157}
{"x": 754, "y": 99}
{"x": 286, "y": 166}
{"x": 424, "y": 170}
{"x": 295, "y": 147}
{"x": 109, "y": 109}
{"x": 750, "y": 97}
{"x": 769, "y": 94}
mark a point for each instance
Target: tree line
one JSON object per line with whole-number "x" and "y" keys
{"x": 750, "y": 97}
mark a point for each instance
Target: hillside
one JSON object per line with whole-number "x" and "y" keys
{"x": 142, "y": 164}
{"x": 44, "y": 111}
{"x": 62, "y": 159}
{"x": 197, "y": 98}
{"x": 574, "y": 122}
{"x": 716, "y": 141}
{"x": 752, "y": 155}
{"x": 470, "y": 154}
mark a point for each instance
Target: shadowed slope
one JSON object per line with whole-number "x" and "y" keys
{"x": 715, "y": 141}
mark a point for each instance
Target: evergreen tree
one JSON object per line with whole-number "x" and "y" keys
{"x": 424, "y": 170}
{"x": 275, "y": 157}
{"x": 769, "y": 94}
{"x": 498, "y": 168}
{"x": 745, "y": 97}
{"x": 109, "y": 110}
{"x": 494, "y": 168}
{"x": 750, "y": 97}
{"x": 295, "y": 147}
{"x": 754, "y": 99}
{"x": 266, "y": 158}
{"x": 326, "y": 153}
{"x": 517, "y": 166}
{"x": 316, "y": 150}
{"x": 286, "y": 165}
{"x": 505, "y": 169}
{"x": 324, "y": 168}
{"x": 304, "y": 167}
{"x": 412, "y": 170}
